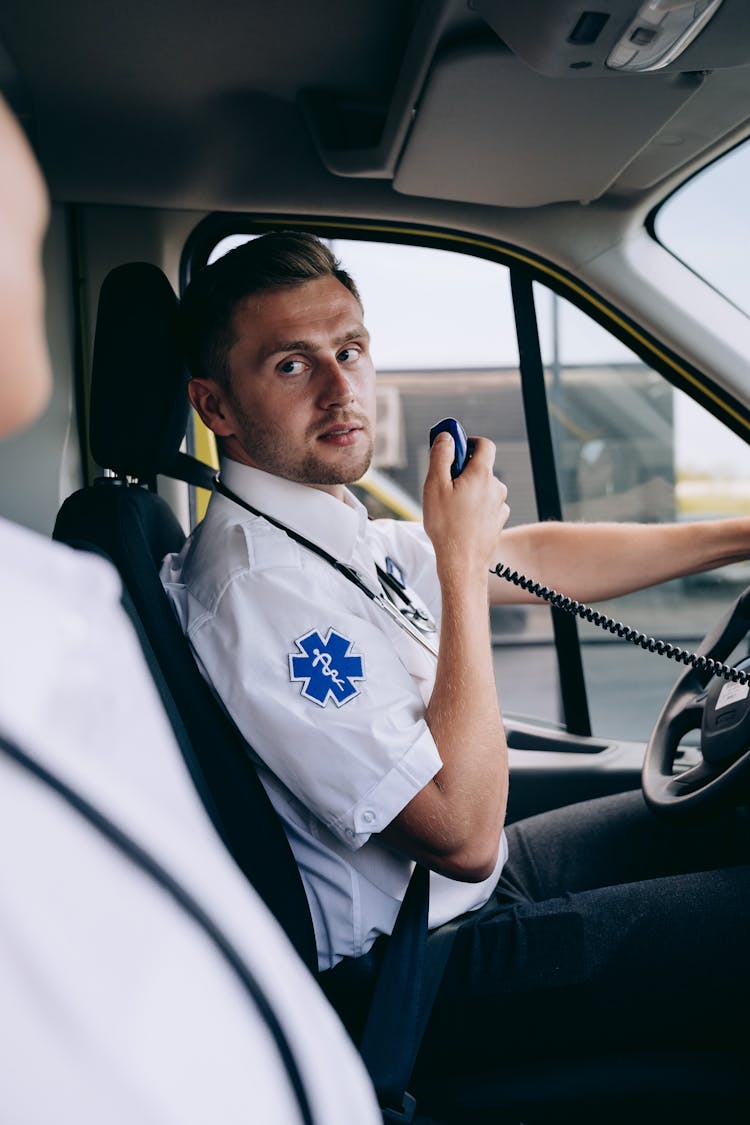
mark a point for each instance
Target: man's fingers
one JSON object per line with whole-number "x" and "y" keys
{"x": 483, "y": 450}
{"x": 442, "y": 453}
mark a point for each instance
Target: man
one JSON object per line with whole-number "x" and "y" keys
{"x": 378, "y": 746}
{"x": 135, "y": 961}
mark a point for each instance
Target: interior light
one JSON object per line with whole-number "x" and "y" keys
{"x": 660, "y": 32}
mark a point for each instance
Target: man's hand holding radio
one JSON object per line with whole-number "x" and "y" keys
{"x": 454, "y": 823}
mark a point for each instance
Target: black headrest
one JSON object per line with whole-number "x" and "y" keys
{"x": 139, "y": 407}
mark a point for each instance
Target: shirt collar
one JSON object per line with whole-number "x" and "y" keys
{"x": 316, "y": 515}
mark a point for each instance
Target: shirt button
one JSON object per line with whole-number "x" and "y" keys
{"x": 368, "y": 816}
{"x": 350, "y": 833}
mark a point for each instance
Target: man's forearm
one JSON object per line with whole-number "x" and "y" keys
{"x": 454, "y": 824}
{"x": 591, "y": 562}
{"x": 465, "y": 721}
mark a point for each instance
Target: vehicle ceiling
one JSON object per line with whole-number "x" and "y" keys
{"x": 362, "y": 106}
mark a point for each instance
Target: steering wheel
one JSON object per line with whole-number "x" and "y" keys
{"x": 721, "y": 710}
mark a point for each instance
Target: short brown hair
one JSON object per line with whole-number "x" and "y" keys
{"x": 271, "y": 261}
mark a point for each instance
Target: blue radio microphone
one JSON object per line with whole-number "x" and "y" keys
{"x": 457, "y": 432}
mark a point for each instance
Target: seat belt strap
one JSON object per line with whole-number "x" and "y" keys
{"x": 403, "y": 997}
{"x": 389, "y": 1040}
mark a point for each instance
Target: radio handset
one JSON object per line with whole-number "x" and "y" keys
{"x": 579, "y": 609}
{"x": 460, "y": 442}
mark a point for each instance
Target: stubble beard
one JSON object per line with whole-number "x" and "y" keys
{"x": 267, "y": 447}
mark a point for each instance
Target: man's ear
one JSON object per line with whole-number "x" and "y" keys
{"x": 210, "y": 402}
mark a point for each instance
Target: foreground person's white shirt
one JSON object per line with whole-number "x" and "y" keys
{"x": 115, "y": 1006}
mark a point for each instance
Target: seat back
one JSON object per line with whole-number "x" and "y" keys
{"x": 139, "y": 412}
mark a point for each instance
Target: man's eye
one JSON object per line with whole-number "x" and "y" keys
{"x": 291, "y": 367}
{"x": 348, "y": 354}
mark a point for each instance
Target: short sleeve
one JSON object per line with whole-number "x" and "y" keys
{"x": 311, "y": 677}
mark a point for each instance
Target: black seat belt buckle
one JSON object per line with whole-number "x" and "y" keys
{"x": 403, "y": 1116}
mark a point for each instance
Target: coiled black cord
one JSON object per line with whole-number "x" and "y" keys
{"x": 625, "y": 632}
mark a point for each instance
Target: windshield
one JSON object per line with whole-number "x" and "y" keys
{"x": 707, "y": 224}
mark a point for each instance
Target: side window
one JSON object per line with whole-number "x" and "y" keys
{"x": 631, "y": 447}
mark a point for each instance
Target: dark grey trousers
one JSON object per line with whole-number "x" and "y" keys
{"x": 610, "y": 930}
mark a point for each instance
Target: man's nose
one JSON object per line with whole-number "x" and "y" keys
{"x": 336, "y": 385}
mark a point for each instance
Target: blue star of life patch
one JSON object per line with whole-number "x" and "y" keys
{"x": 325, "y": 668}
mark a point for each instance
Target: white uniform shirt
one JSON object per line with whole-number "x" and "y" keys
{"x": 116, "y": 1007}
{"x": 325, "y": 687}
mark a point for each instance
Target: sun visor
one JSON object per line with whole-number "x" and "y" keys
{"x": 481, "y": 103}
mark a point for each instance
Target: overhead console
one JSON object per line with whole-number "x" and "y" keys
{"x": 609, "y": 98}
{"x": 570, "y": 39}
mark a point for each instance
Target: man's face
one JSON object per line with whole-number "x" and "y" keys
{"x": 25, "y": 378}
{"x": 301, "y": 402}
